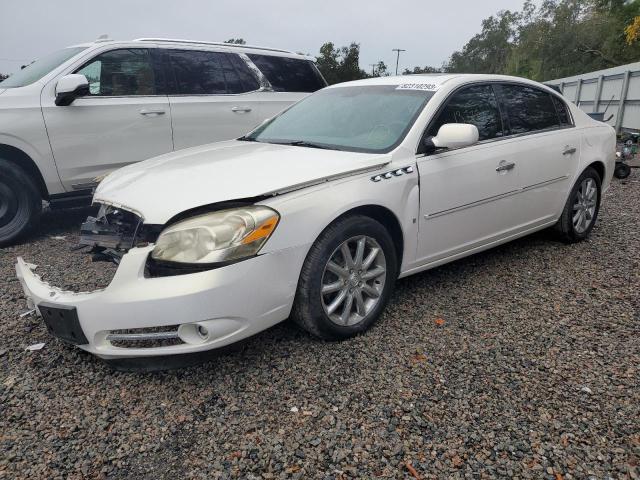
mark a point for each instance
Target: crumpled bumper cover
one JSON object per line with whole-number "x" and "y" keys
{"x": 230, "y": 303}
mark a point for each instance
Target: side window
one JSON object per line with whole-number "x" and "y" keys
{"x": 288, "y": 74}
{"x": 247, "y": 78}
{"x": 476, "y": 105}
{"x": 563, "y": 111}
{"x": 121, "y": 72}
{"x": 528, "y": 109}
{"x": 208, "y": 73}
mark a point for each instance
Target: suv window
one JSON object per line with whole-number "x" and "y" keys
{"x": 207, "y": 73}
{"x": 288, "y": 74}
{"x": 121, "y": 72}
{"x": 476, "y": 105}
{"x": 563, "y": 111}
{"x": 528, "y": 109}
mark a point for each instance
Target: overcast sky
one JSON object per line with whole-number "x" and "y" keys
{"x": 429, "y": 30}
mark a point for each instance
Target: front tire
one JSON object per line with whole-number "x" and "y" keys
{"x": 582, "y": 207}
{"x": 347, "y": 279}
{"x": 20, "y": 203}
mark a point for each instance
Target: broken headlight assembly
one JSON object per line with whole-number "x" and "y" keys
{"x": 217, "y": 237}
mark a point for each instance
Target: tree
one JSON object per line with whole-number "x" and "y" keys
{"x": 380, "y": 70}
{"x": 237, "y": 41}
{"x": 558, "y": 38}
{"x": 632, "y": 31}
{"x": 340, "y": 64}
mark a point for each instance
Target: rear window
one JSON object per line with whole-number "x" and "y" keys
{"x": 206, "y": 73}
{"x": 289, "y": 74}
{"x": 563, "y": 112}
{"x": 528, "y": 109}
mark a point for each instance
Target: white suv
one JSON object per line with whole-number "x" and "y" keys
{"x": 81, "y": 112}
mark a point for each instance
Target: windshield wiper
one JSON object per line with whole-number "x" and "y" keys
{"x": 304, "y": 143}
{"x": 244, "y": 138}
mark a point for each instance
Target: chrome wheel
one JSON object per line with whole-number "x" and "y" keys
{"x": 353, "y": 280}
{"x": 584, "y": 207}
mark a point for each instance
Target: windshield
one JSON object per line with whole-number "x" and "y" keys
{"x": 372, "y": 119}
{"x": 38, "y": 69}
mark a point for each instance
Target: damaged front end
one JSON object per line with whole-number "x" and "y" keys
{"x": 114, "y": 231}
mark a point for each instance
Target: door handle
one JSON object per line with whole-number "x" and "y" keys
{"x": 504, "y": 166}
{"x": 149, "y": 111}
{"x": 241, "y": 109}
{"x": 568, "y": 150}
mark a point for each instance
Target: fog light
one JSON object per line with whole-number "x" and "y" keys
{"x": 203, "y": 332}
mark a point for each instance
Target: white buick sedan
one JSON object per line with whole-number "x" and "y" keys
{"x": 317, "y": 212}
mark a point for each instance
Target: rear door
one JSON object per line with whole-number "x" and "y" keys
{"x": 546, "y": 149}
{"x": 124, "y": 119}
{"x": 291, "y": 79}
{"x": 213, "y": 96}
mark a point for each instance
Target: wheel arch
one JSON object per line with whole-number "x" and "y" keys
{"x": 23, "y": 161}
{"x": 386, "y": 218}
{"x": 599, "y": 167}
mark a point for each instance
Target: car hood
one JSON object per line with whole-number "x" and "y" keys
{"x": 2, "y": 90}
{"x": 164, "y": 186}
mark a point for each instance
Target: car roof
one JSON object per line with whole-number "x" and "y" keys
{"x": 436, "y": 80}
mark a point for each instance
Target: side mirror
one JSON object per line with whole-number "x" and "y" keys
{"x": 71, "y": 87}
{"x": 453, "y": 135}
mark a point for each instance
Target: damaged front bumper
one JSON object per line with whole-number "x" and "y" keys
{"x": 197, "y": 311}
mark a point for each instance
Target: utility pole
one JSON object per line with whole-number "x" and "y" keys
{"x": 373, "y": 69}
{"x": 398, "y": 57}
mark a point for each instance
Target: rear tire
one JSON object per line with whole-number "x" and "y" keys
{"x": 582, "y": 207}
{"x": 20, "y": 203}
{"x": 337, "y": 296}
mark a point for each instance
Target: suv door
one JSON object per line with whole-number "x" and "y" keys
{"x": 547, "y": 151}
{"x": 123, "y": 120}
{"x": 291, "y": 80}
{"x": 467, "y": 195}
{"x": 212, "y": 96}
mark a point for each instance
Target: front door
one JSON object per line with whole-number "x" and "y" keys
{"x": 467, "y": 195}
{"x": 121, "y": 121}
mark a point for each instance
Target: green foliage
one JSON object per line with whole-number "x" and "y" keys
{"x": 558, "y": 38}
{"x": 340, "y": 64}
{"x": 237, "y": 41}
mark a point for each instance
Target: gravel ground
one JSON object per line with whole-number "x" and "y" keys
{"x": 520, "y": 362}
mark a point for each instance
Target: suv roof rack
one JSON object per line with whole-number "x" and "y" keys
{"x": 201, "y": 42}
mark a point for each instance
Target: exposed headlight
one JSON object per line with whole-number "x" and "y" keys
{"x": 217, "y": 237}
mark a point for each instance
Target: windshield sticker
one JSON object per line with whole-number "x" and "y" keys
{"x": 418, "y": 86}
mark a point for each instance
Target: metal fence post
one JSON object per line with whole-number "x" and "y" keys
{"x": 623, "y": 99}
{"x": 596, "y": 101}
{"x": 578, "y": 91}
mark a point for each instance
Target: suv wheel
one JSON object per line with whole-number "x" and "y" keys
{"x": 346, "y": 279}
{"x": 582, "y": 207}
{"x": 20, "y": 203}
